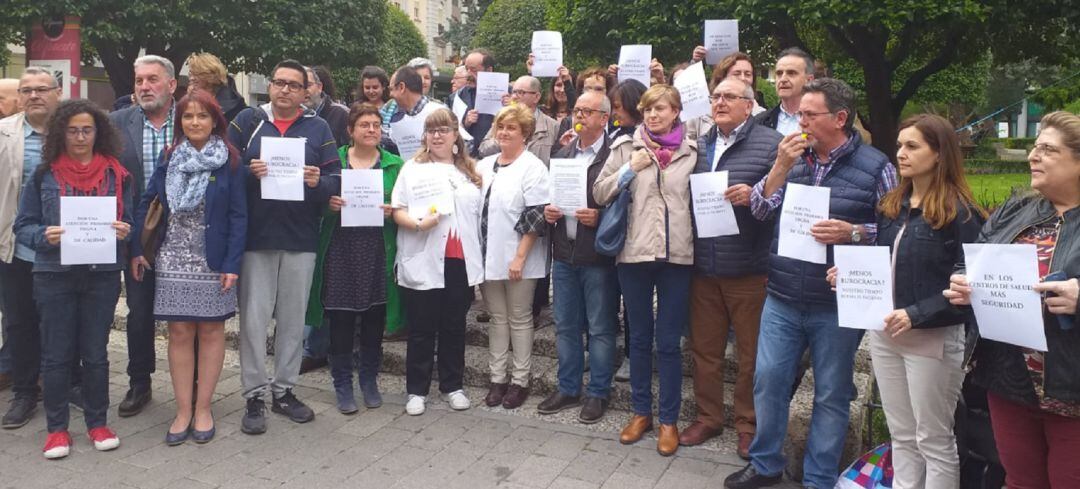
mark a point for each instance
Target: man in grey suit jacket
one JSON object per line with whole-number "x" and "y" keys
{"x": 146, "y": 129}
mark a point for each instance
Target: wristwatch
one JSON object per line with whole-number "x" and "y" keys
{"x": 856, "y": 234}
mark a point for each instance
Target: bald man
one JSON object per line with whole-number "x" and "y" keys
{"x": 9, "y": 97}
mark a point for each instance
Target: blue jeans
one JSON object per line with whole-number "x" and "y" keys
{"x": 76, "y": 309}
{"x": 586, "y": 302}
{"x": 786, "y": 331}
{"x": 672, "y": 285}
{"x": 316, "y": 341}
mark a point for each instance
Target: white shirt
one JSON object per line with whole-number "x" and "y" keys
{"x": 723, "y": 143}
{"x": 521, "y": 184}
{"x": 787, "y": 123}
{"x": 421, "y": 255}
{"x": 408, "y": 132}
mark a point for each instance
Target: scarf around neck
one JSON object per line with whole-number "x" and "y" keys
{"x": 91, "y": 178}
{"x": 663, "y": 146}
{"x": 189, "y": 170}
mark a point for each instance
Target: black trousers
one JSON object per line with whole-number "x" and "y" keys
{"x": 140, "y": 328}
{"x": 437, "y": 316}
{"x": 343, "y": 328}
{"x": 21, "y": 326}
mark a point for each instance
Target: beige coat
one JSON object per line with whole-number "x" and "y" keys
{"x": 539, "y": 144}
{"x": 659, "y": 225}
{"x": 11, "y": 171}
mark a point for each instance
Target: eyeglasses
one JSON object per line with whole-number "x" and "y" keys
{"x": 1046, "y": 149}
{"x": 441, "y": 131}
{"x": 586, "y": 112}
{"x": 283, "y": 84}
{"x": 39, "y": 91}
{"x": 86, "y": 132}
{"x": 810, "y": 115}
{"x": 522, "y": 93}
{"x": 730, "y": 97}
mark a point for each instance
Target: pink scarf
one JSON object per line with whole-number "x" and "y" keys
{"x": 663, "y": 146}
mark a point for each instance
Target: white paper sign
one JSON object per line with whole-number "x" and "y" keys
{"x": 713, "y": 214}
{"x": 362, "y": 191}
{"x": 694, "y": 92}
{"x": 864, "y": 286}
{"x": 490, "y": 88}
{"x": 284, "y": 159}
{"x": 634, "y": 63}
{"x": 568, "y": 177}
{"x": 460, "y": 108}
{"x": 407, "y": 134}
{"x": 1006, "y": 306}
{"x": 721, "y": 39}
{"x": 547, "y": 50}
{"x": 430, "y": 192}
{"x": 803, "y": 207}
{"x": 88, "y": 236}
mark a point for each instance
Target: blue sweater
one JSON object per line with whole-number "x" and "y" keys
{"x": 225, "y": 221}
{"x": 285, "y": 225}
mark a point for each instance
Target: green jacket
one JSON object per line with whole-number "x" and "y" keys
{"x": 391, "y": 165}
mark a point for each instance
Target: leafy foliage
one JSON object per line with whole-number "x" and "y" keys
{"x": 401, "y": 40}
{"x": 506, "y": 29}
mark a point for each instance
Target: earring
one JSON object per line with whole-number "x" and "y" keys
{"x": 454, "y": 149}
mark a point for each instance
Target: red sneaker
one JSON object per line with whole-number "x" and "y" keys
{"x": 104, "y": 439}
{"x": 57, "y": 445}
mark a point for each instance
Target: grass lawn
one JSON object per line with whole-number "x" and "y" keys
{"x": 992, "y": 190}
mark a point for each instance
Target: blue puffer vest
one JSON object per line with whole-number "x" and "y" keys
{"x": 852, "y": 198}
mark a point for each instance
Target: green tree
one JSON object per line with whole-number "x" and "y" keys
{"x": 459, "y": 33}
{"x": 402, "y": 41}
{"x": 506, "y": 29}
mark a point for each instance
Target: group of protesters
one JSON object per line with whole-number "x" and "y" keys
{"x": 197, "y": 243}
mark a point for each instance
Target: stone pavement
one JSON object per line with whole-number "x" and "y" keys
{"x": 380, "y": 448}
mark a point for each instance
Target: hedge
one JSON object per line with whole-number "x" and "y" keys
{"x": 984, "y": 166}
{"x": 1012, "y": 143}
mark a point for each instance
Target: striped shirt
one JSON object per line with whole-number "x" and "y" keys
{"x": 153, "y": 141}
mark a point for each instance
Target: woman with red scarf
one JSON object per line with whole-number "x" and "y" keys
{"x": 76, "y": 302}
{"x": 654, "y": 166}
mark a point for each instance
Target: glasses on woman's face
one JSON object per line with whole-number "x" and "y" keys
{"x": 1046, "y": 149}
{"x": 440, "y": 131}
{"x": 86, "y": 132}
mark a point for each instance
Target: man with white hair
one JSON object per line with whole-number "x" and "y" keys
{"x": 146, "y": 128}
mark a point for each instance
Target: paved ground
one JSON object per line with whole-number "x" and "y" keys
{"x": 380, "y": 448}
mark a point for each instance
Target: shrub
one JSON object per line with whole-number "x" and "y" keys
{"x": 985, "y": 166}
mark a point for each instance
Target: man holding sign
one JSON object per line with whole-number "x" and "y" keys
{"x": 727, "y": 290}
{"x": 407, "y": 124}
{"x": 282, "y": 238}
{"x": 800, "y": 309}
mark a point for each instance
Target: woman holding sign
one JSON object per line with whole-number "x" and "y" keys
{"x": 918, "y": 357}
{"x": 1034, "y": 396}
{"x": 76, "y": 298}
{"x": 354, "y": 276}
{"x": 654, "y": 166}
{"x": 436, "y": 202}
{"x": 199, "y": 185}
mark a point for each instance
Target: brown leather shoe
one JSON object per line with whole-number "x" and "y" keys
{"x": 668, "y": 440}
{"x": 515, "y": 396}
{"x": 635, "y": 429}
{"x": 495, "y": 394}
{"x": 697, "y": 433}
{"x": 744, "y": 445}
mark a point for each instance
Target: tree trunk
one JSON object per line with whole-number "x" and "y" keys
{"x": 883, "y": 119}
{"x": 118, "y": 65}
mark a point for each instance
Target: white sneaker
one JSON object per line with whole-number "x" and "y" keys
{"x": 457, "y": 400}
{"x": 415, "y": 406}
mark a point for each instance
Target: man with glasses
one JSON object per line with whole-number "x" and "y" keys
{"x": 21, "y": 138}
{"x": 800, "y": 308}
{"x": 727, "y": 290}
{"x": 146, "y": 128}
{"x": 282, "y": 238}
{"x": 413, "y": 108}
{"x": 527, "y": 90}
{"x": 794, "y": 68}
{"x": 586, "y": 288}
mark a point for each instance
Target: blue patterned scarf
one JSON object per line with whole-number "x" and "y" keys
{"x": 189, "y": 172}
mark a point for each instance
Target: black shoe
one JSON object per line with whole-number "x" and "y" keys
{"x": 592, "y": 410}
{"x": 254, "y": 422}
{"x": 290, "y": 406}
{"x": 134, "y": 401}
{"x": 749, "y": 478}
{"x": 19, "y": 413}
{"x": 557, "y": 402}
{"x": 75, "y": 397}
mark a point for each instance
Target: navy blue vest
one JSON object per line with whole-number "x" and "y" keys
{"x": 852, "y": 198}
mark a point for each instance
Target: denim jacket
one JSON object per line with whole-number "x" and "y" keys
{"x": 39, "y": 208}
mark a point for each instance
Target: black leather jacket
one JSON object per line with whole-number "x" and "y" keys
{"x": 925, "y": 259}
{"x": 1000, "y": 367}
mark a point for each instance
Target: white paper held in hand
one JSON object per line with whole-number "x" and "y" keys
{"x": 88, "y": 238}
{"x": 490, "y": 88}
{"x": 721, "y": 39}
{"x": 284, "y": 158}
{"x": 634, "y": 63}
{"x": 430, "y": 192}
{"x": 547, "y": 50}
{"x": 1002, "y": 277}
{"x": 694, "y": 92}
{"x": 713, "y": 214}
{"x": 362, "y": 191}
{"x": 864, "y": 286}
{"x": 460, "y": 109}
{"x": 803, "y": 207}
{"x": 407, "y": 134}
{"x": 567, "y": 181}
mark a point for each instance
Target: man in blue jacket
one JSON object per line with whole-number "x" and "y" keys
{"x": 282, "y": 240}
{"x": 800, "y": 308}
{"x": 475, "y": 123}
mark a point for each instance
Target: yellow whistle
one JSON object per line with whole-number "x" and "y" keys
{"x": 433, "y": 210}
{"x": 616, "y": 123}
{"x": 804, "y": 135}
{"x": 578, "y": 127}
